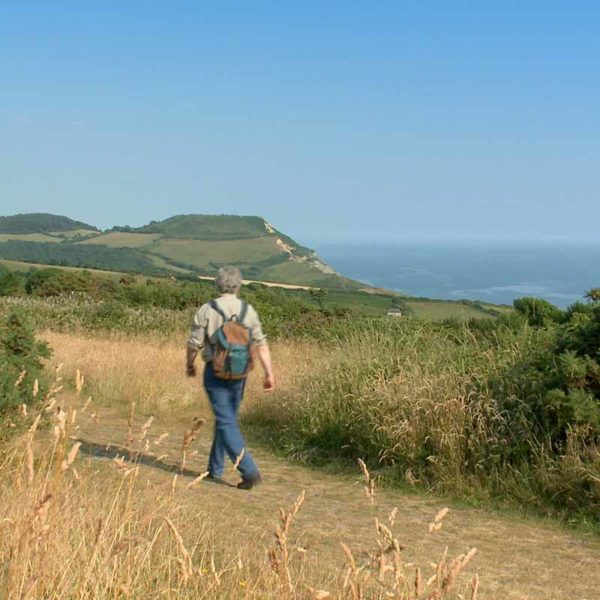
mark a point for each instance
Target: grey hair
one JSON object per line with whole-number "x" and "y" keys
{"x": 229, "y": 280}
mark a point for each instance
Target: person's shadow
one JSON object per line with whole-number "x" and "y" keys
{"x": 110, "y": 452}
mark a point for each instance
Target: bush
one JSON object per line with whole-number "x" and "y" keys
{"x": 559, "y": 381}
{"x": 55, "y": 282}
{"x": 11, "y": 284}
{"x": 20, "y": 363}
{"x": 574, "y": 391}
{"x": 539, "y": 313}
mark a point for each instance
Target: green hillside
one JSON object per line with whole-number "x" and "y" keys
{"x": 207, "y": 227}
{"x": 121, "y": 239}
{"x": 187, "y": 246}
{"x": 41, "y": 223}
{"x": 190, "y": 244}
{"x": 203, "y": 243}
{"x": 217, "y": 228}
{"x": 72, "y": 255}
{"x": 30, "y": 237}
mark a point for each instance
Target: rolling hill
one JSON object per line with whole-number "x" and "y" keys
{"x": 42, "y": 223}
{"x": 183, "y": 244}
{"x": 192, "y": 246}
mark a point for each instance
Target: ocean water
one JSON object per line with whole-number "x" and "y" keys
{"x": 492, "y": 272}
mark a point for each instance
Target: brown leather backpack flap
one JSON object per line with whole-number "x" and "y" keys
{"x": 236, "y": 333}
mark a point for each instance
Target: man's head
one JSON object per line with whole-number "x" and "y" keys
{"x": 229, "y": 280}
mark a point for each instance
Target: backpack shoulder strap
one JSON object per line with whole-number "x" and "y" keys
{"x": 243, "y": 312}
{"x": 213, "y": 304}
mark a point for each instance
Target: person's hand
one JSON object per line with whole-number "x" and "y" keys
{"x": 269, "y": 383}
{"x": 191, "y": 371}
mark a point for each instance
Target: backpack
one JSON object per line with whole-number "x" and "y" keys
{"x": 232, "y": 346}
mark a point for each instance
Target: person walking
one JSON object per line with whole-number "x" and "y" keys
{"x": 228, "y": 334}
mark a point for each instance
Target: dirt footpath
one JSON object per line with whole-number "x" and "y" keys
{"x": 516, "y": 559}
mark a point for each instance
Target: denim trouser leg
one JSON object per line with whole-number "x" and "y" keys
{"x": 225, "y": 398}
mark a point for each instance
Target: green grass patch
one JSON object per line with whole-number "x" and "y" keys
{"x": 118, "y": 239}
{"x": 28, "y": 237}
{"x": 208, "y": 227}
{"x": 206, "y": 255}
{"x": 438, "y": 310}
{"x": 94, "y": 257}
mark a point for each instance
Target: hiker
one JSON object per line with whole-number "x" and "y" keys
{"x": 228, "y": 333}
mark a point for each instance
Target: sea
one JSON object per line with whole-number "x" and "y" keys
{"x": 496, "y": 272}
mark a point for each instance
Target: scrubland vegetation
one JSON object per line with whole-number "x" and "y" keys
{"x": 507, "y": 412}
{"x": 503, "y": 410}
{"x": 73, "y": 528}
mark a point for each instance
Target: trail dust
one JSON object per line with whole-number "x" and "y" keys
{"x": 516, "y": 558}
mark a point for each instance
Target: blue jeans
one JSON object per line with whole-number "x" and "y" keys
{"x": 225, "y": 398}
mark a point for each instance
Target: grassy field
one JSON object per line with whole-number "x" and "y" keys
{"x": 249, "y": 254}
{"x": 302, "y": 273}
{"x": 377, "y": 304}
{"x": 118, "y": 239}
{"x": 440, "y": 310}
{"x": 97, "y": 503}
{"x": 74, "y": 233}
{"x": 162, "y": 263}
{"x": 203, "y": 253}
{"x": 29, "y": 237}
{"x": 20, "y": 266}
{"x": 210, "y": 227}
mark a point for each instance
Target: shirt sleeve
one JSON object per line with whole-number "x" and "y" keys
{"x": 197, "y": 337}
{"x": 258, "y": 336}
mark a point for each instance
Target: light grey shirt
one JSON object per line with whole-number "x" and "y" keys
{"x": 207, "y": 321}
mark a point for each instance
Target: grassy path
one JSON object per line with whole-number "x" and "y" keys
{"x": 516, "y": 559}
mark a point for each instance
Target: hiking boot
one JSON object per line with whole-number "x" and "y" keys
{"x": 248, "y": 484}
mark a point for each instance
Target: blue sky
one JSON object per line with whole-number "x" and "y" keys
{"x": 334, "y": 120}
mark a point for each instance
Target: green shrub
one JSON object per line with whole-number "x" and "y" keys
{"x": 559, "y": 380}
{"x": 56, "y": 282}
{"x": 21, "y": 358}
{"x": 539, "y": 313}
{"x": 11, "y": 284}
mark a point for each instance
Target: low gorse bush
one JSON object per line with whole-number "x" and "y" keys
{"x": 80, "y": 301}
{"x": 22, "y": 377}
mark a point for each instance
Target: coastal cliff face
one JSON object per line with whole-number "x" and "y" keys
{"x": 318, "y": 264}
{"x": 311, "y": 259}
{"x": 315, "y": 262}
{"x": 184, "y": 245}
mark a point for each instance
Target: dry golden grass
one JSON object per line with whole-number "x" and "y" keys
{"x": 150, "y": 371}
{"x": 120, "y": 371}
{"x": 73, "y": 526}
{"x": 72, "y": 529}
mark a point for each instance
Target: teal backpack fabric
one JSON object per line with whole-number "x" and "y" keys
{"x": 231, "y": 345}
